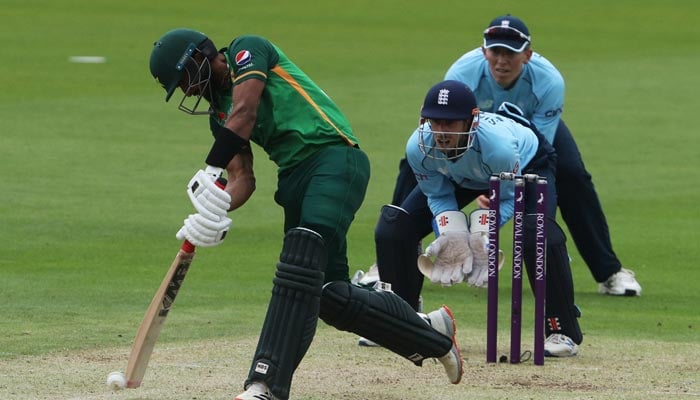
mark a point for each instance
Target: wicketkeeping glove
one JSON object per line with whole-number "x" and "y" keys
{"x": 210, "y": 200}
{"x": 453, "y": 258}
{"x": 204, "y": 232}
{"x": 479, "y": 244}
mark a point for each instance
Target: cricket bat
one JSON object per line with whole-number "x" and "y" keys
{"x": 156, "y": 314}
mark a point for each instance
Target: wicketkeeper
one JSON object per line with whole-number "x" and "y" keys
{"x": 453, "y": 153}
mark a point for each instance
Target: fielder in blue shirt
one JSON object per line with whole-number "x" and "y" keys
{"x": 506, "y": 69}
{"x": 453, "y": 154}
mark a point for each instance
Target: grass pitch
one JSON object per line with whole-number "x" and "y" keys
{"x": 95, "y": 164}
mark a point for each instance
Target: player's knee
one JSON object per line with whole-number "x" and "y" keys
{"x": 337, "y": 305}
{"x": 303, "y": 247}
{"x": 343, "y": 304}
{"x": 537, "y": 224}
{"x": 302, "y": 261}
{"x": 555, "y": 251}
{"x": 396, "y": 241}
{"x": 394, "y": 224}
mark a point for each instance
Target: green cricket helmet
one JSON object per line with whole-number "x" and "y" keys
{"x": 172, "y": 58}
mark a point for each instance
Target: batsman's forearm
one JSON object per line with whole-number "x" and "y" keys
{"x": 240, "y": 191}
{"x": 241, "y": 179}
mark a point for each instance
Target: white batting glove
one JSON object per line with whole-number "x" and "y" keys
{"x": 202, "y": 231}
{"x": 479, "y": 244}
{"x": 210, "y": 200}
{"x": 453, "y": 258}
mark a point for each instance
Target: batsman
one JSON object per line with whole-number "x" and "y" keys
{"x": 256, "y": 94}
{"x": 453, "y": 153}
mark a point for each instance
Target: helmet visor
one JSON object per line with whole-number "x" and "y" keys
{"x": 195, "y": 84}
{"x": 445, "y": 145}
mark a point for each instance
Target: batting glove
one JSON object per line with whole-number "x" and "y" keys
{"x": 209, "y": 199}
{"x": 204, "y": 232}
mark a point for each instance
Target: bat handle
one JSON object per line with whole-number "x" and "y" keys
{"x": 188, "y": 247}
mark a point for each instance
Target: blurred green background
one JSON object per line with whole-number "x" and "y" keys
{"x": 95, "y": 163}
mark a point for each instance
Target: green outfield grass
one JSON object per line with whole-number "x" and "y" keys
{"x": 95, "y": 163}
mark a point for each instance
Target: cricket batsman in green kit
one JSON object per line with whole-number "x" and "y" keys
{"x": 256, "y": 94}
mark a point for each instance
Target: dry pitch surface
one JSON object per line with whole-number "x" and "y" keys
{"x": 336, "y": 368}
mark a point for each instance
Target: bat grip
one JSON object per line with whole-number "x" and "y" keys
{"x": 188, "y": 247}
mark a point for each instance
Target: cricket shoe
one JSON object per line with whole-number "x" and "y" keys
{"x": 621, "y": 283}
{"x": 443, "y": 321}
{"x": 256, "y": 391}
{"x": 558, "y": 345}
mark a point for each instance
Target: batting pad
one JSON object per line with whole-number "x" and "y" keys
{"x": 384, "y": 318}
{"x": 292, "y": 315}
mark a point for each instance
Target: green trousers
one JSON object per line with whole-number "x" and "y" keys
{"x": 323, "y": 193}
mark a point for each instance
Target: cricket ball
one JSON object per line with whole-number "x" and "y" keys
{"x": 116, "y": 381}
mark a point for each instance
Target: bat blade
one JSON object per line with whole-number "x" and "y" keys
{"x": 155, "y": 316}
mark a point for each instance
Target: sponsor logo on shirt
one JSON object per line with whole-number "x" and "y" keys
{"x": 243, "y": 57}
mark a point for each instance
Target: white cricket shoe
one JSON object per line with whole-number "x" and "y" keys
{"x": 256, "y": 391}
{"x": 621, "y": 283}
{"x": 443, "y": 321}
{"x": 558, "y": 345}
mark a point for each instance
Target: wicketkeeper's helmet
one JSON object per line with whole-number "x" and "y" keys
{"x": 448, "y": 100}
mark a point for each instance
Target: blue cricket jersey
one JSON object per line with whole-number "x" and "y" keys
{"x": 539, "y": 91}
{"x": 500, "y": 145}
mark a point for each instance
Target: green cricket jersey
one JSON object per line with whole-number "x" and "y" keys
{"x": 295, "y": 117}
